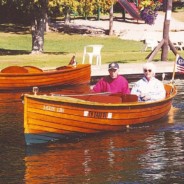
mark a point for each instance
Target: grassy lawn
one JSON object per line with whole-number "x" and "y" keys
{"x": 59, "y": 48}
{"x": 15, "y": 47}
{"x": 179, "y": 14}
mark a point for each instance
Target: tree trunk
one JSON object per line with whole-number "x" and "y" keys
{"x": 98, "y": 13}
{"x": 47, "y": 21}
{"x": 164, "y": 53}
{"x": 123, "y": 14}
{"x": 85, "y": 11}
{"x": 111, "y": 21}
{"x": 39, "y": 26}
{"x": 38, "y": 35}
{"x": 67, "y": 16}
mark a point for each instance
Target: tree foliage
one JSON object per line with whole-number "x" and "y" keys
{"x": 27, "y": 10}
{"x": 35, "y": 13}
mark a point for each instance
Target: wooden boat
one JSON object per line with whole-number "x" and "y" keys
{"x": 17, "y": 77}
{"x": 49, "y": 118}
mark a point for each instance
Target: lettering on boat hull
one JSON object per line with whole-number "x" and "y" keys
{"x": 53, "y": 109}
{"x": 100, "y": 115}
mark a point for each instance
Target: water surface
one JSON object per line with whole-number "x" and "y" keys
{"x": 151, "y": 153}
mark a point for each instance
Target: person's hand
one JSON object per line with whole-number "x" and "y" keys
{"x": 145, "y": 97}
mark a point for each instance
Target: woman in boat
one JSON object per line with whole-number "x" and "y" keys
{"x": 149, "y": 88}
{"x": 113, "y": 83}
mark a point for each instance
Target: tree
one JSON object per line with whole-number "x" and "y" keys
{"x": 106, "y": 6}
{"x": 86, "y": 8}
{"x": 67, "y": 7}
{"x": 39, "y": 10}
{"x": 35, "y": 13}
{"x": 111, "y": 20}
{"x": 111, "y": 17}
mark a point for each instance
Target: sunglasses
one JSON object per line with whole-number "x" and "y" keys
{"x": 145, "y": 70}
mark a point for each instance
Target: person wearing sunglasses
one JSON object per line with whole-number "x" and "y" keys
{"x": 149, "y": 88}
{"x": 113, "y": 83}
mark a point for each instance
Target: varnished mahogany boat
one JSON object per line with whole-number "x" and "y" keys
{"x": 18, "y": 77}
{"x": 49, "y": 118}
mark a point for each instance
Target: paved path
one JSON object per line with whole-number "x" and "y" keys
{"x": 131, "y": 30}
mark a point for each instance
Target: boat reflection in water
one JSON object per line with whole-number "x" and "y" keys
{"x": 171, "y": 114}
{"x": 82, "y": 161}
{"x": 10, "y": 103}
{"x": 138, "y": 154}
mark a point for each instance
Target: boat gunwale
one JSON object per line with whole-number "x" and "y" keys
{"x": 46, "y": 72}
{"x": 67, "y": 99}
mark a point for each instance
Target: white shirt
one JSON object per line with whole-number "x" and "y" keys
{"x": 154, "y": 89}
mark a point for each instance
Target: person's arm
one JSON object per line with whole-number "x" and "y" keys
{"x": 159, "y": 92}
{"x": 98, "y": 87}
{"x": 135, "y": 90}
{"x": 124, "y": 85}
{"x": 156, "y": 92}
{"x": 138, "y": 89}
{"x": 127, "y": 89}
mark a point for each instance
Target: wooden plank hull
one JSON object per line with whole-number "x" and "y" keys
{"x": 48, "y": 118}
{"x": 10, "y": 80}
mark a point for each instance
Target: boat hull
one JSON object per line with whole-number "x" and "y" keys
{"x": 52, "y": 118}
{"x": 26, "y": 78}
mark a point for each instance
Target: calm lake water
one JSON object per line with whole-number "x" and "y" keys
{"x": 151, "y": 153}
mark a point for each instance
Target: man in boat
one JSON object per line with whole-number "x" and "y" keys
{"x": 113, "y": 83}
{"x": 149, "y": 88}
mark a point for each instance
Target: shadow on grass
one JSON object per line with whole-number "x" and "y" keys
{"x": 12, "y": 28}
{"x": 118, "y": 19}
{"x": 23, "y": 52}
{"x": 13, "y": 52}
{"x": 128, "y": 20}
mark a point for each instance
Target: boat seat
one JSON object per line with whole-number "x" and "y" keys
{"x": 127, "y": 97}
{"x": 14, "y": 69}
{"x": 64, "y": 67}
{"x": 113, "y": 98}
{"x": 33, "y": 69}
{"x": 100, "y": 98}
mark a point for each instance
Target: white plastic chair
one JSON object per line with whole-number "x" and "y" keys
{"x": 150, "y": 43}
{"x": 92, "y": 51}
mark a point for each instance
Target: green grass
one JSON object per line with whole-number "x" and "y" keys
{"x": 179, "y": 14}
{"x": 15, "y": 48}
